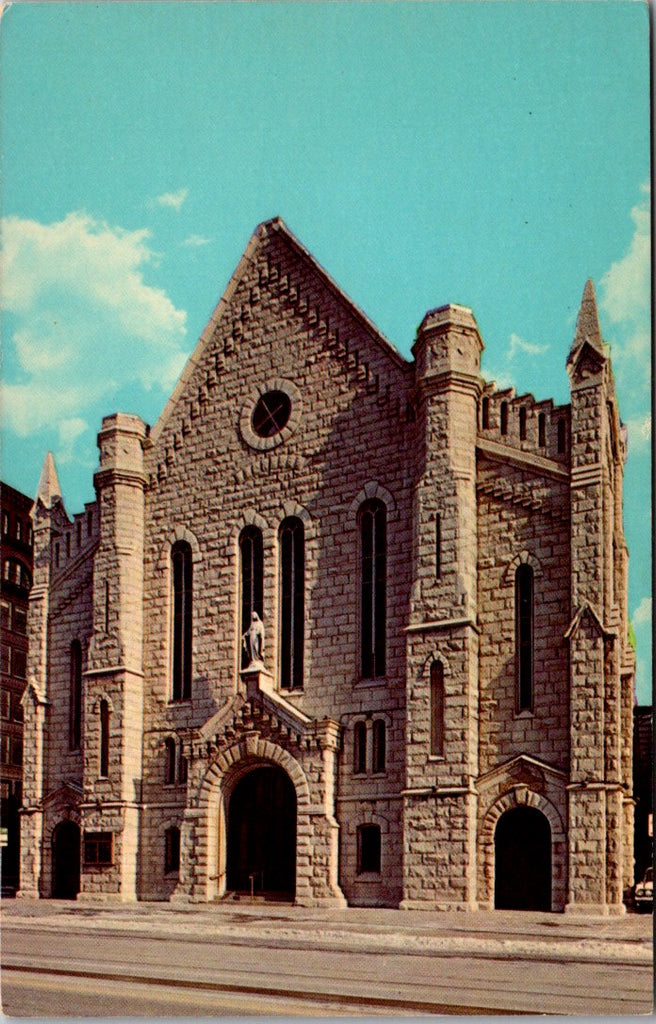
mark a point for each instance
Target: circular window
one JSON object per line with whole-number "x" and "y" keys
{"x": 271, "y": 414}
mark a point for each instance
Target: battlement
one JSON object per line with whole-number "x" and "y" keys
{"x": 521, "y": 422}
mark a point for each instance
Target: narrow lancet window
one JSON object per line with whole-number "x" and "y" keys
{"x": 181, "y": 571}
{"x": 542, "y": 430}
{"x": 104, "y": 739}
{"x": 379, "y": 745}
{"x": 524, "y": 636}
{"x": 485, "y": 413}
{"x": 360, "y": 748}
{"x": 373, "y": 589}
{"x": 75, "y": 719}
{"x": 522, "y": 423}
{"x": 504, "y": 418}
{"x": 562, "y": 435}
{"x": 251, "y": 549}
{"x": 438, "y": 546}
{"x": 437, "y": 709}
{"x": 169, "y": 765}
{"x": 292, "y": 603}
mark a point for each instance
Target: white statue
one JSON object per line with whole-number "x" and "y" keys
{"x": 253, "y": 640}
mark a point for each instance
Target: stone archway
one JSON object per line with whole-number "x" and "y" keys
{"x": 261, "y": 834}
{"x": 522, "y": 860}
{"x": 66, "y": 861}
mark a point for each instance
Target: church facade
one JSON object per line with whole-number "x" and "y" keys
{"x": 342, "y": 627}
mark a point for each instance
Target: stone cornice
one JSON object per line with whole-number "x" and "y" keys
{"x": 527, "y": 460}
{"x": 437, "y": 624}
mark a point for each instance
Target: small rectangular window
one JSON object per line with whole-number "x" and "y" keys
{"x": 19, "y": 664}
{"x": 20, "y": 620}
{"x": 5, "y": 659}
{"x": 6, "y": 704}
{"x": 5, "y": 614}
{"x": 97, "y": 849}
{"x": 16, "y": 752}
{"x": 503, "y": 426}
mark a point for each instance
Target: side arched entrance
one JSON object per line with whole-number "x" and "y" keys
{"x": 522, "y": 860}
{"x": 66, "y": 861}
{"x": 261, "y": 834}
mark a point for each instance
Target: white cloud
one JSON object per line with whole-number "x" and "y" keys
{"x": 639, "y": 430}
{"x": 82, "y": 322}
{"x": 642, "y": 614}
{"x": 69, "y": 432}
{"x": 625, "y": 286}
{"x": 196, "y": 240}
{"x": 625, "y": 298}
{"x": 518, "y": 344}
{"x": 173, "y": 200}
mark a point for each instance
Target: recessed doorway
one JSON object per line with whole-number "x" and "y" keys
{"x": 522, "y": 857}
{"x": 261, "y": 823}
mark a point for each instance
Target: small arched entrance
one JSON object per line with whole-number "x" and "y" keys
{"x": 66, "y": 861}
{"x": 261, "y": 827}
{"x": 522, "y": 860}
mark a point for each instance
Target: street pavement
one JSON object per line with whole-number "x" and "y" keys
{"x": 233, "y": 958}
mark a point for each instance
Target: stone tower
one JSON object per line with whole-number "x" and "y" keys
{"x": 113, "y": 729}
{"x": 601, "y": 667}
{"x": 442, "y": 748}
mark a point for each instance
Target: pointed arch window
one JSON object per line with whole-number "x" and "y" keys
{"x": 292, "y": 603}
{"x": 524, "y": 636}
{"x": 437, "y": 709}
{"x": 251, "y": 553}
{"x": 182, "y": 579}
{"x": 379, "y": 745}
{"x": 360, "y": 748}
{"x": 75, "y": 707}
{"x": 373, "y": 588}
{"x": 104, "y": 739}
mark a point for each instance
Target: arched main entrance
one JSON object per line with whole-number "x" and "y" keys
{"x": 261, "y": 824}
{"x": 522, "y": 860}
{"x": 66, "y": 861}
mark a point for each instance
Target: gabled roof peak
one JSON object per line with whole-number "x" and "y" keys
{"x": 48, "y": 488}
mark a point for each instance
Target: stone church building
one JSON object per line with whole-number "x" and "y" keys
{"x": 341, "y": 627}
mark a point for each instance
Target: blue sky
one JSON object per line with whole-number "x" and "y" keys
{"x": 491, "y": 154}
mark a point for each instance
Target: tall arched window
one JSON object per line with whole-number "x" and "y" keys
{"x": 75, "y": 707}
{"x": 181, "y": 572}
{"x": 360, "y": 748}
{"x": 292, "y": 603}
{"x": 437, "y": 709}
{"x": 379, "y": 745}
{"x": 524, "y": 636}
{"x": 485, "y": 413}
{"x": 104, "y": 739}
{"x": 373, "y": 588}
{"x": 562, "y": 435}
{"x": 251, "y": 550}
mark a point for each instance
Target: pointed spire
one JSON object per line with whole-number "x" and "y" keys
{"x": 48, "y": 488}
{"x": 587, "y": 325}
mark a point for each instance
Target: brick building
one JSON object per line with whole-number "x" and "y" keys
{"x": 16, "y": 561}
{"x": 341, "y": 627}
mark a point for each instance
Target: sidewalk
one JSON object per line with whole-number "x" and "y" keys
{"x": 507, "y": 934}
